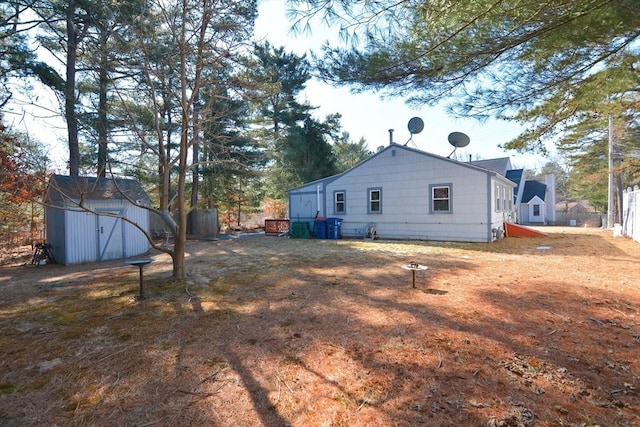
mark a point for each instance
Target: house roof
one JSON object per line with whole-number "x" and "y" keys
{"x": 533, "y": 189}
{"x": 580, "y": 206}
{"x": 501, "y": 165}
{"x": 63, "y": 187}
{"x": 515, "y": 175}
{"x": 478, "y": 165}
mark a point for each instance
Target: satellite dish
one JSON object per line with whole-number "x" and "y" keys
{"x": 458, "y": 139}
{"x": 415, "y": 125}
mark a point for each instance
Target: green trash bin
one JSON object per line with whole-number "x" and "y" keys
{"x": 300, "y": 230}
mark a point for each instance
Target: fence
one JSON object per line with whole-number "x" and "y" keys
{"x": 631, "y": 213}
{"x": 207, "y": 223}
{"x": 578, "y": 219}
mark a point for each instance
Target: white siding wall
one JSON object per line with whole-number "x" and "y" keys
{"x": 506, "y": 211}
{"x": 404, "y": 177}
{"x": 303, "y": 203}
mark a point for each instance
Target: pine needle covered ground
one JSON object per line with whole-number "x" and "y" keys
{"x": 274, "y": 331}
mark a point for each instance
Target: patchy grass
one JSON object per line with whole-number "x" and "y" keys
{"x": 274, "y": 331}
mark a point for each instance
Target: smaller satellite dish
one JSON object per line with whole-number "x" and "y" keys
{"x": 458, "y": 139}
{"x": 415, "y": 125}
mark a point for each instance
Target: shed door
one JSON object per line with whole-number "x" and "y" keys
{"x": 110, "y": 243}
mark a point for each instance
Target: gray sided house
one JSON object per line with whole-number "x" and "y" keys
{"x": 83, "y": 218}
{"x": 407, "y": 193}
{"x": 534, "y": 200}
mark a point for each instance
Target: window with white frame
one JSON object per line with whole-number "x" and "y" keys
{"x": 339, "y": 202}
{"x": 440, "y": 198}
{"x": 375, "y": 200}
{"x": 497, "y": 197}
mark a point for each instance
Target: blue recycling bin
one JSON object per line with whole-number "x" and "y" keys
{"x": 334, "y": 226}
{"x": 320, "y": 228}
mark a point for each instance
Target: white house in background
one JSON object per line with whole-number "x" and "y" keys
{"x": 534, "y": 201}
{"x": 83, "y": 218}
{"x": 407, "y": 193}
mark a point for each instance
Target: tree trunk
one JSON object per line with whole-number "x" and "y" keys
{"x": 179, "y": 271}
{"x": 181, "y": 233}
{"x": 70, "y": 92}
{"x": 169, "y": 124}
{"x": 239, "y": 201}
{"x": 102, "y": 116}
{"x": 193, "y": 212}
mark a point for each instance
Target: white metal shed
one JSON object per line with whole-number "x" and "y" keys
{"x": 85, "y": 218}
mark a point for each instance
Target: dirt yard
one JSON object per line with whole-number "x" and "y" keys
{"x": 271, "y": 331}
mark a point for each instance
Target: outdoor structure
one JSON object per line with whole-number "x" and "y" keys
{"x": 534, "y": 200}
{"x": 405, "y": 193}
{"x": 536, "y": 204}
{"x": 575, "y": 207}
{"x": 206, "y": 223}
{"x": 578, "y": 214}
{"x": 84, "y": 218}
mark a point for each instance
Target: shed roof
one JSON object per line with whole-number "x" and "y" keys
{"x": 64, "y": 187}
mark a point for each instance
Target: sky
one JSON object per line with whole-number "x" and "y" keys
{"x": 364, "y": 115}
{"x": 367, "y": 115}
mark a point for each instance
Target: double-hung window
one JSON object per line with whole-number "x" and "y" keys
{"x": 440, "y": 198}
{"x": 339, "y": 202}
{"x": 375, "y": 200}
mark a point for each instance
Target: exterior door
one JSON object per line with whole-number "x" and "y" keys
{"x": 110, "y": 241}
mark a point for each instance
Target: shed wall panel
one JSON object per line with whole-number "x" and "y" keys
{"x": 135, "y": 241}
{"x": 55, "y": 226}
{"x": 80, "y": 237}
